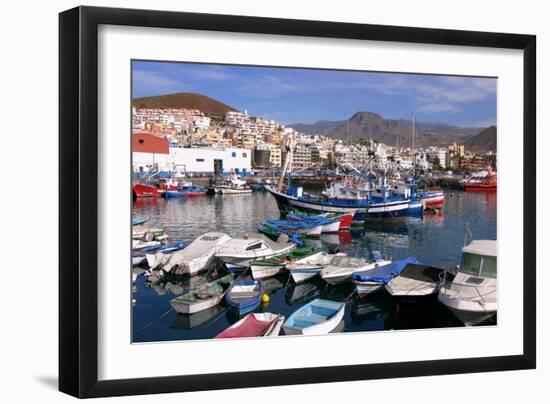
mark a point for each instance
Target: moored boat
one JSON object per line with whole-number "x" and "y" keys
{"x": 341, "y": 268}
{"x": 482, "y": 181}
{"x": 269, "y": 267}
{"x": 139, "y": 220}
{"x": 309, "y": 267}
{"x": 146, "y": 191}
{"x": 372, "y": 280}
{"x": 315, "y": 318}
{"x": 196, "y": 256}
{"x": 254, "y": 325}
{"x": 416, "y": 281}
{"x": 244, "y": 296}
{"x": 203, "y": 297}
{"x": 472, "y": 294}
{"x": 237, "y": 253}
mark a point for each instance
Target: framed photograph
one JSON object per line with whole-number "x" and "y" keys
{"x": 252, "y": 202}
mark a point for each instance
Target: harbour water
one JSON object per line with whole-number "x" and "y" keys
{"x": 435, "y": 239}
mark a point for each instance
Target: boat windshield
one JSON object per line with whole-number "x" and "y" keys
{"x": 479, "y": 265}
{"x": 342, "y": 261}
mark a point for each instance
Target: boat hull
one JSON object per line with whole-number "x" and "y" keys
{"x": 470, "y": 311}
{"x": 302, "y": 275}
{"x": 265, "y": 271}
{"x": 146, "y": 191}
{"x": 194, "y": 307}
{"x": 366, "y": 288}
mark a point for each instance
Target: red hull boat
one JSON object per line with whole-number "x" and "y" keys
{"x": 482, "y": 181}
{"x": 146, "y": 191}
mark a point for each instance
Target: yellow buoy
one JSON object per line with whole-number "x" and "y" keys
{"x": 265, "y": 298}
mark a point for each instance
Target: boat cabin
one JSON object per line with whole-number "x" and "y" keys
{"x": 479, "y": 260}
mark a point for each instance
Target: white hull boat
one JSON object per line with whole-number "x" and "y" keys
{"x": 416, "y": 281}
{"x": 202, "y": 298}
{"x": 309, "y": 267}
{"x": 240, "y": 251}
{"x": 472, "y": 294}
{"x": 196, "y": 256}
{"x": 226, "y": 191}
{"x": 341, "y": 268}
{"x": 265, "y": 271}
{"x": 331, "y": 227}
{"x": 315, "y": 318}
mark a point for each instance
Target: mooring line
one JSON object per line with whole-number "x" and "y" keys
{"x": 155, "y": 320}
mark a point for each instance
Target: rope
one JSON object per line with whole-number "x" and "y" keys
{"x": 154, "y": 321}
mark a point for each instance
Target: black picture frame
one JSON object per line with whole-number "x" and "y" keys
{"x": 78, "y": 196}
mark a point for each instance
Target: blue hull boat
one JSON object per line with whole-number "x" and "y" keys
{"x": 244, "y": 296}
{"x": 174, "y": 194}
{"x": 139, "y": 220}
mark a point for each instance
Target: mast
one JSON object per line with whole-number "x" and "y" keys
{"x": 288, "y": 159}
{"x": 413, "y": 135}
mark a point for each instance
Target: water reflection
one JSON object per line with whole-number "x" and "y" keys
{"x": 434, "y": 238}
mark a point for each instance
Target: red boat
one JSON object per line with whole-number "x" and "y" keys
{"x": 482, "y": 181}
{"x": 433, "y": 198}
{"x": 345, "y": 221}
{"x": 254, "y": 325}
{"x": 146, "y": 191}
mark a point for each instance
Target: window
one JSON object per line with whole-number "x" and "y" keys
{"x": 244, "y": 154}
{"x": 254, "y": 246}
{"x": 199, "y": 160}
{"x": 140, "y": 141}
{"x": 233, "y": 154}
{"x": 489, "y": 267}
{"x": 471, "y": 264}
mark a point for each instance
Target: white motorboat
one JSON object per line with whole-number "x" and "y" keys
{"x": 309, "y": 267}
{"x": 204, "y": 297}
{"x": 472, "y": 294}
{"x": 197, "y": 255}
{"x": 416, "y": 281}
{"x": 240, "y": 251}
{"x": 341, "y": 268}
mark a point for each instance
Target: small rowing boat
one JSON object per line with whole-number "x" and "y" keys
{"x": 255, "y": 325}
{"x": 244, "y": 296}
{"x": 315, "y": 318}
{"x": 205, "y": 296}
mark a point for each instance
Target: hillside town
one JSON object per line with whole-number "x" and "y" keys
{"x": 190, "y": 142}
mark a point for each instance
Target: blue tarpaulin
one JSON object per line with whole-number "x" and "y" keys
{"x": 384, "y": 273}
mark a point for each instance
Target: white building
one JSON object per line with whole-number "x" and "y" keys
{"x": 202, "y": 160}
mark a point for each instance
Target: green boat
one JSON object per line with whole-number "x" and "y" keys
{"x": 267, "y": 268}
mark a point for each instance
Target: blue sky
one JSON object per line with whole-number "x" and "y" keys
{"x": 306, "y": 95}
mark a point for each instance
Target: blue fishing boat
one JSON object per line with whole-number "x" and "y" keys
{"x": 310, "y": 228}
{"x": 369, "y": 281}
{"x": 315, "y": 318}
{"x": 244, "y": 296}
{"x": 174, "y": 193}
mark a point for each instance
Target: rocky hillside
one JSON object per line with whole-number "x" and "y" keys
{"x": 486, "y": 140}
{"x": 201, "y": 102}
{"x": 363, "y": 125}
